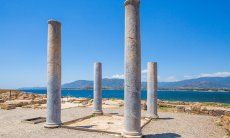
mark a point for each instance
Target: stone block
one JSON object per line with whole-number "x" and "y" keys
{"x": 180, "y": 108}
{"x": 7, "y": 106}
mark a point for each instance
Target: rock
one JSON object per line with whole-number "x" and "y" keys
{"x": 227, "y": 113}
{"x": 216, "y": 112}
{"x": 188, "y": 109}
{"x": 204, "y": 110}
{"x": 180, "y": 108}
{"x": 117, "y": 103}
{"x": 2, "y": 101}
{"x": 38, "y": 101}
{"x": 144, "y": 106}
{"x": 6, "y": 106}
{"x": 80, "y": 100}
{"x": 196, "y": 108}
{"x": 19, "y": 103}
{"x": 36, "y": 106}
{"x": 218, "y": 122}
{"x": 84, "y": 102}
{"x": 26, "y": 106}
{"x": 225, "y": 122}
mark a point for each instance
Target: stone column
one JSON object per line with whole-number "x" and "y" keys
{"x": 132, "y": 88}
{"x": 97, "y": 95}
{"x": 152, "y": 90}
{"x": 53, "y": 111}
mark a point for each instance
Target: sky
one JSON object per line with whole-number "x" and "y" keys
{"x": 188, "y": 39}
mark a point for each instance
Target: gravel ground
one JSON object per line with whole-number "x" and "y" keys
{"x": 170, "y": 125}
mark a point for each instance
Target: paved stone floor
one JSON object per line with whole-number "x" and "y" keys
{"x": 170, "y": 125}
{"x": 106, "y": 122}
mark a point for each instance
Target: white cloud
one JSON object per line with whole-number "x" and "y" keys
{"x": 217, "y": 74}
{"x": 170, "y": 79}
{"x": 118, "y": 76}
{"x": 144, "y": 71}
{"x": 176, "y": 78}
{"x": 122, "y": 76}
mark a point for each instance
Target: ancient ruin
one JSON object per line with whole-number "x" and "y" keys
{"x": 53, "y": 112}
{"x": 132, "y": 88}
{"x": 97, "y": 93}
{"x": 152, "y": 90}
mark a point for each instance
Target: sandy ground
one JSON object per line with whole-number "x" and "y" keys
{"x": 170, "y": 125}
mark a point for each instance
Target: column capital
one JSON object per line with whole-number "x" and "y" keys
{"x": 97, "y": 63}
{"x": 52, "y": 21}
{"x": 133, "y": 2}
{"x": 152, "y": 62}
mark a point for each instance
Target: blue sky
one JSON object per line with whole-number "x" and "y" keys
{"x": 187, "y": 38}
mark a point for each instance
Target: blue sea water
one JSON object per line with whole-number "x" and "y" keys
{"x": 186, "y": 96}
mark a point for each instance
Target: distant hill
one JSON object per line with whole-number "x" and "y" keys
{"x": 79, "y": 84}
{"x": 204, "y": 82}
{"x": 199, "y": 83}
{"x": 87, "y": 84}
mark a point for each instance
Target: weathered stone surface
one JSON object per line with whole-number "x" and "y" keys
{"x": 111, "y": 102}
{"x": 152, "y": 90}
{"x": 53, "y": 113}
{"x": 204, "y": 110}
{"x": 196, "y": 108}
{"x": 188, "y": 109}
{"x": 132, "y": 86}
{"x": 2, "y": 101}
{"x": 97, "y": 93}
{"x": 180, "y": 108}
{"x": 38, "y": 101}
{"x": 6, "y": 106}
{"x": 216, "y": 112}
{"x": 227, "y": 113}
{"x": 225, "y": 122}
{"x": 143, "y": 106}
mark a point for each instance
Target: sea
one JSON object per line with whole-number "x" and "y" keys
{"x": 186, "y": 96}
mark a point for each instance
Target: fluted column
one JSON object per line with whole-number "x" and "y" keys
{"x": 132, "y": 96}
{"x": 152, "y": 90}
{"x": 53, "y": 111}
{"x": 97, "y": 95}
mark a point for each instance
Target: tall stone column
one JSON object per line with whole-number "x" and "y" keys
{"x": 97, "y": 95}
{"x": 53, "y": 111}
{"x": 152, "y": 90}
{"x": 132, "y": 88}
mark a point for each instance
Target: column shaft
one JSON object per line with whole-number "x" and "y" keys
{"x": 97, "y": 101}
{"x": 53, "y": 111}
{"x": 132, "y": 88}
{"x": 152, "y": 90}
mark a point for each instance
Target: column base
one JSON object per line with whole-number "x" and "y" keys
{"x": 52, "y": 125}
{"x": 152, "y": 116}
{"x": 97, "y": 113}
{"x": 131, "y": 135}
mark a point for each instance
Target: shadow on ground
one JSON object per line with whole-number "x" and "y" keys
{"x": 89, "y": 126}
{"x": 163, "y": 135}
{"x": 166, "y": 118}
{"x": 113, "y": 113}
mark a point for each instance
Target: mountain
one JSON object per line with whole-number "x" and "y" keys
{"x": 79, "y": 84}
{"x": 198, "y": 83}
{"x": 87, "y": 84}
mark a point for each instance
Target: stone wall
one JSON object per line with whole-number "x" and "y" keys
{"x": 10, "y": 99}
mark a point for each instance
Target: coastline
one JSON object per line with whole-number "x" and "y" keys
{"x": 214, "y": 113}
{"x": 186, "y": 96}
{"x": 172, "y": 90}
